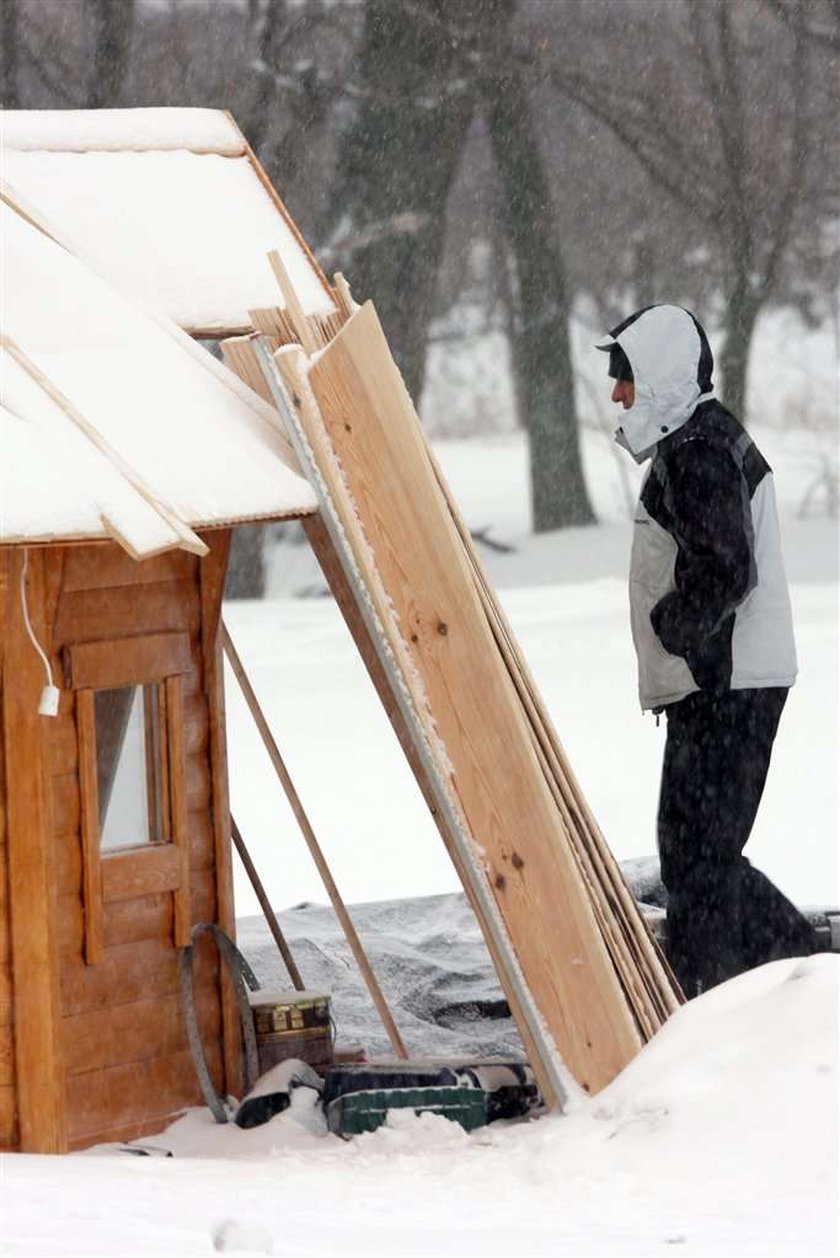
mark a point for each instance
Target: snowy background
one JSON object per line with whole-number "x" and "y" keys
{"x": 719, "y": 1139}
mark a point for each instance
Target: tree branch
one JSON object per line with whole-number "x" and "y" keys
{"x": 828, "y": 36}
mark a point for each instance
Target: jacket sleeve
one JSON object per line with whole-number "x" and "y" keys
{"x": 711, "y": 523}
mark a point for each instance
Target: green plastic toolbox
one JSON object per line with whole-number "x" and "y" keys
{"x": 356, "y": 1112}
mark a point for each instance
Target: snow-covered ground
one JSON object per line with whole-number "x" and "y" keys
{"x": 719, "y": 1139}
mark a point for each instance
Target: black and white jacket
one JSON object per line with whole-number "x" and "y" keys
{"x": 709, "y": 602}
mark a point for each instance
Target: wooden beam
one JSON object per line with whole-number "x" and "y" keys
{"x": 294, "y": 310}
{"x": 212, "y": 574}
{"x": 38, "y": 1045}
{"x": 91, "y": 863}
{"x": 142, "y": 871}
{"x": 265, "y": 904}
{"x": 177, "y": 782}
{"x": 314, "y": 847}
{"x": 126, "y": 661}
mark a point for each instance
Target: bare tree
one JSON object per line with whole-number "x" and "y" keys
{"x": 9, "y": 53}
{"x": 397, "y": 161}
{"x": 113, "y": 24}
{"x": 722, "y": 121}
{"x": 541, "y": 348}
{"x": 820, "y": 23}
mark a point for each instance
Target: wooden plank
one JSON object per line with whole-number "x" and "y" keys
{"x": 136, "y": 1032}
{"x": 200, "y": 840}
{"x": 238, "y": 355}
{"x": 196, "y": 785}
{"x": 31, "y": 889}
{"x": 134, "y": 1094}
{"x": 92, "y": 879}
{"x": 196, "y": 731}
{"x": 5, "y": 597}
{"x": 304, "y": 403}
{"x": 63, "y": 742}
{"x": 5, "y": 937}
{"x": 129, "y": 973}
{"x": 110, "y": 663}
{"x": 498, "y": 778}
{"x": 9, "y": 1139}
{"x": 6, "y": 995}
{"x": 7, "y": 1056}
{"x": 213, "y": 572}
{"x": 66, "y": 804}
{"x": 108, "y": 565}
{"x": 141, "y": 871}
{"x": 294, "y": 310}
{"x": 67, "y": 863}
{"x": 319, "y": 540}
{"x": 132, "y": 921}
{"x": 272, "y": 321}
{"x": 179, "y": 803}
{"x": 123, "y": 1133}
{"x": 117, "y": 611}
{"x": 343, "y": 296}
{"x": 644, "y": 962}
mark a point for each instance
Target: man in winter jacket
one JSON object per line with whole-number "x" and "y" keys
{"x": 713, "y": 632}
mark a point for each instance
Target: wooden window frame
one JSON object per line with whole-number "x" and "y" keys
{"x": 155, "y": 867}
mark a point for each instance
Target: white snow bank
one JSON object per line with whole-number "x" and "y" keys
{"x": 79, "y": 130}
{"x": 720, "y": 1138}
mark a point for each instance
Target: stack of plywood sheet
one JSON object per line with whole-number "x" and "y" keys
{"x": 582, "y": 973}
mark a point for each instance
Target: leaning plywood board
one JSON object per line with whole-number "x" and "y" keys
{"x": 285, "y": 376}
{"x": 469, "y": 705}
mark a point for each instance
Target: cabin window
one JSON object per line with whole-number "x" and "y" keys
{"x": 130, "y": 726}
{"x": 132, "y": 766}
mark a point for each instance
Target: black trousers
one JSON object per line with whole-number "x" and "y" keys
{"x": 723, "y": 917}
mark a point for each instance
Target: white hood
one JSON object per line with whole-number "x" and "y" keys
{"x": 663, "y": 346}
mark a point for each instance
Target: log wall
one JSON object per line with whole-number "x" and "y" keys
{"x": 125, "y": 1058}
{"x": 8, "y": 1123}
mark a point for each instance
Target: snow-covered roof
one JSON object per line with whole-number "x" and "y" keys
{"x": 167, "y": 203}
{"x": 113, "y": 422}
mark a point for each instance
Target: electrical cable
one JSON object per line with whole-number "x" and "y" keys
{"x": 50, "y": 694}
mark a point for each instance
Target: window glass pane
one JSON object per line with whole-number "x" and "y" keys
{"x": 131, "y": 766}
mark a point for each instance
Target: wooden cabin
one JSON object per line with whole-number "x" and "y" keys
{"x": 127, "y": 455}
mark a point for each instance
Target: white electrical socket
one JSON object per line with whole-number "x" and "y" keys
{"x": 48, "y": 706}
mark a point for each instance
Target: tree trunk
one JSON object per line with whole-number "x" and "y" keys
{"x": 542, "y": 352}
{"x": 113, "y": 24}
{"x": 246, "y": 568}
{"x": 257, "y": 127}
{"x": 9, "y": 36}
{"x": 397, "y": 160}
{"x": 742, "y": 311}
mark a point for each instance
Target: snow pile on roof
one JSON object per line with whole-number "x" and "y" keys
{"x": 108, "y": 410}
{"x": 55, "y": 483}
{"x": 166, "y": 204}
{"x": 79, "y": 130}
